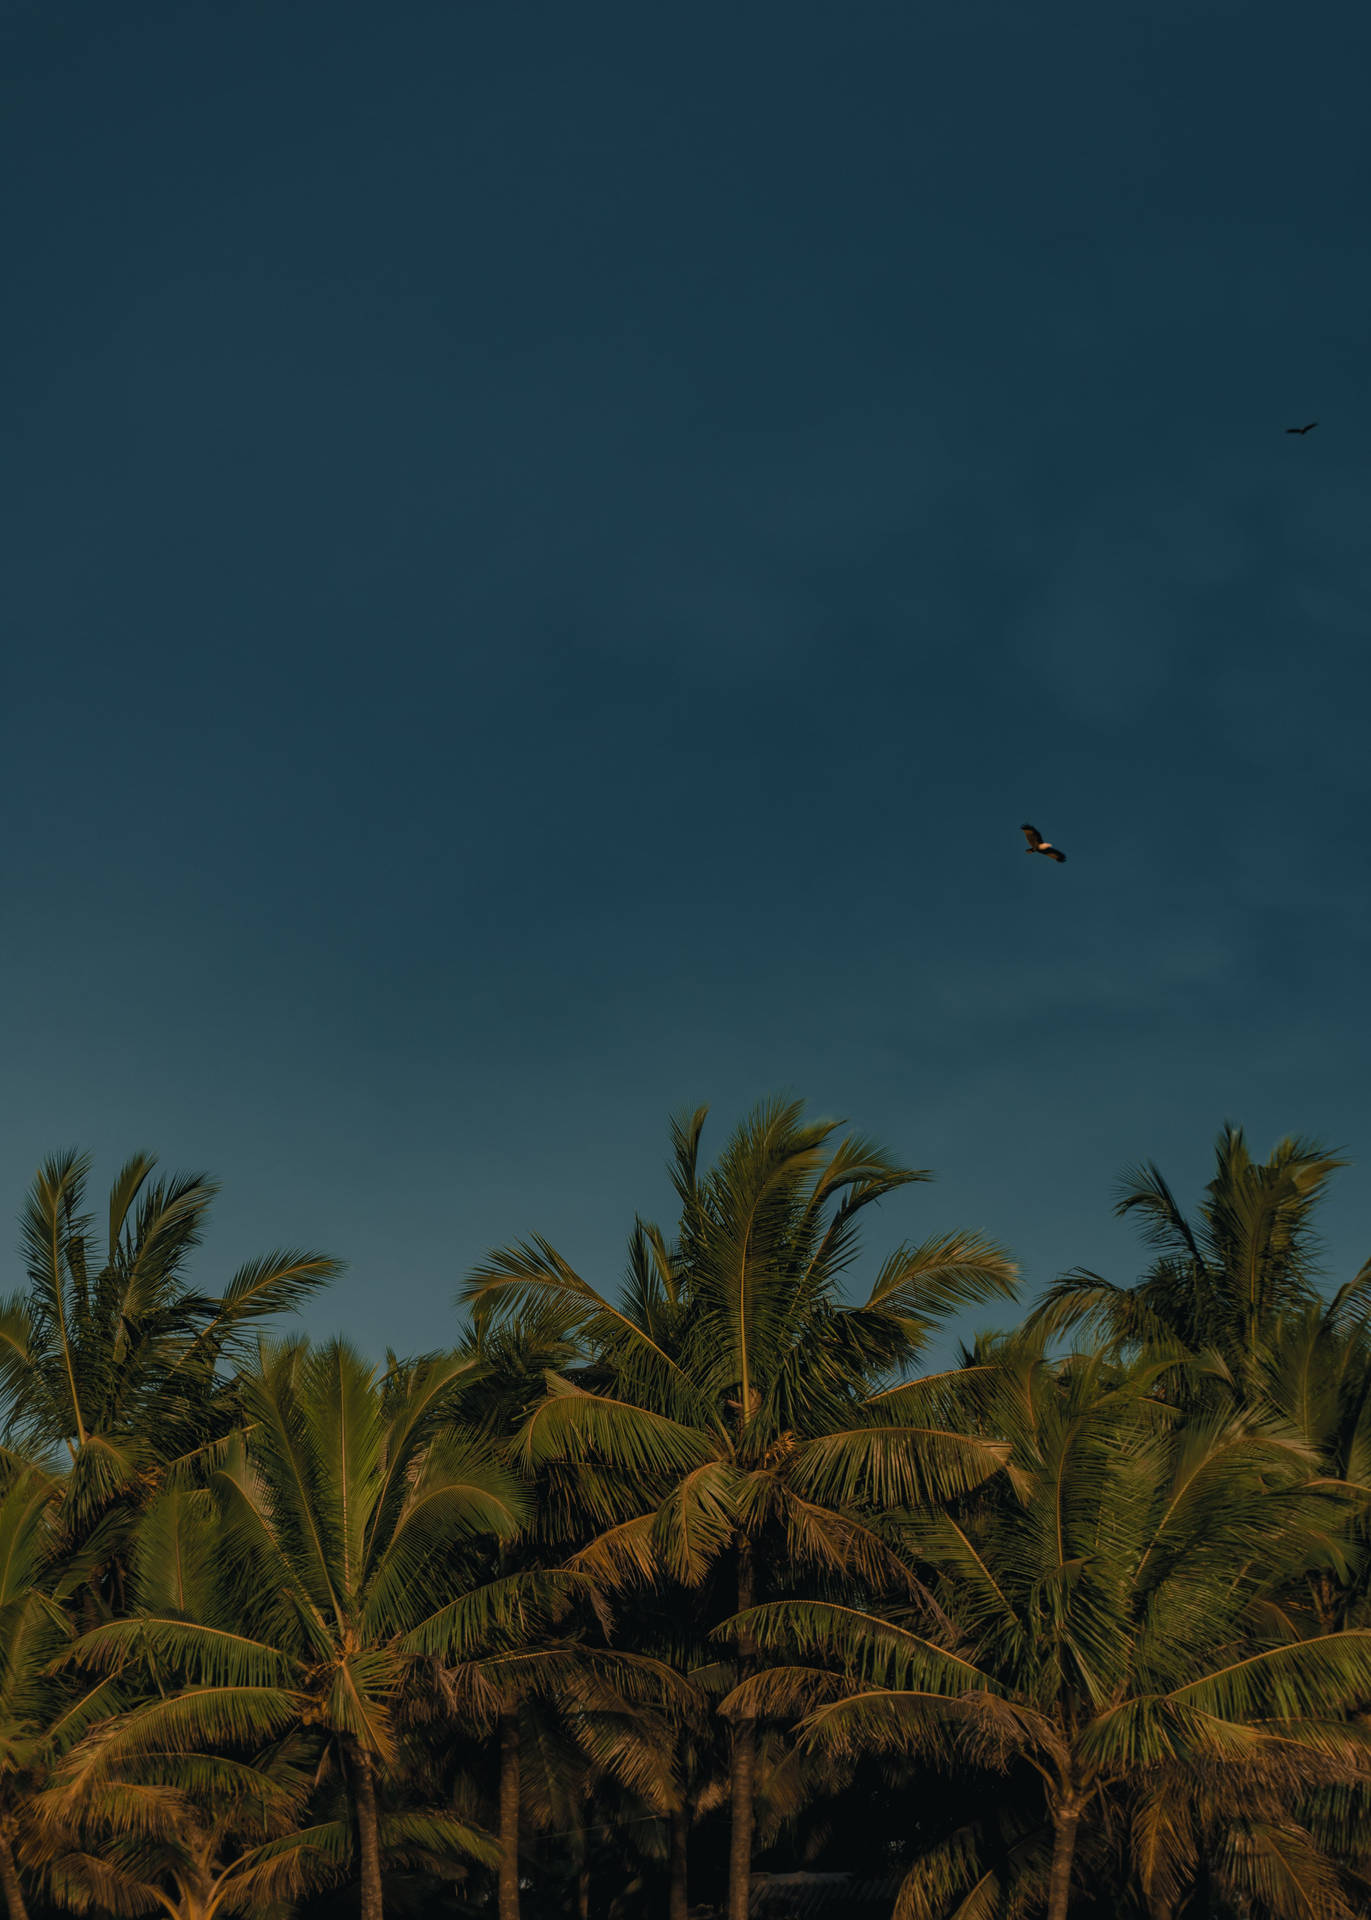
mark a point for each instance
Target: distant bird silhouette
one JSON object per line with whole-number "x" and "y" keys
{"x": 1309, "y": 429}
{"x": 1036, "y": 844}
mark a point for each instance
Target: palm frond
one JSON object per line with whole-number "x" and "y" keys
{"x": 577, "y": 1425}
{"x": 894, "y": 1465}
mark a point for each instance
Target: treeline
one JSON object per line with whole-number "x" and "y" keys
{"x": 639, "y": 1590}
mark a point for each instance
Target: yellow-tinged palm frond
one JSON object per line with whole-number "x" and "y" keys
{"x": 53, "y": 1231}
{"x": 587, "y": 1679}
{"x": 138, "y": 1809}
{"x": 85, "y": 1882}
{"x": 976, "y": 1872}
{"x": 643, "y": 1749}
{"x": 1085, "y": 1304}
{"x": 276, "y": 1282}
{"x": 1142, "y": 1735}
{"x": 922, "y": 1284}
{"x": 16, "y": 1352}
{"x": 895, "y": 1465}
{"x": 1260, "y": 1840}
{"x": 153, "y": 1794}
{"x": 1163, "y": 1840}
{"x": 857, "y": 1174}
{"x": 459, "y": 1495}
{"x": 532, "y": 1271}
{"x": 295, "y": 1864}
{"x": 1314, "y": 1678}
{"x": 26, "y": 1535}
{"x": 507, "y": 1612}
{"x": 867, "y": 1646}
{"x": 428, "y": 1400}
{"x": 1110, "y": 1611}
{"x": 966, "y": 1398}
{"x": 174, "y": 1554}
{"x": 738, "y": 1237}
{"x": 789, "y": 1694}
{"x": 287, "y": 1587}
{"x": 293, "y": 1451}
{"x": 621, "y": 1556}
{"x": 337, "y": 1450}
{"x": 78, "y": 1711}
{"x": 973, "y": 1727}
{"x": 357, "y": 1706}
{"x": 434, "y": 1839}
{"x": 1213, "y": 1465}
{"x": 824, "y": 1539}
{"x": 697, "y": 1521}
{"x": 195, "y": 1719}
{"x": 1277, "y": 1864}
{"x": 574, "y": 1424}
{"x": 210, "y": 1655}
{"x": 986, "y": 1612}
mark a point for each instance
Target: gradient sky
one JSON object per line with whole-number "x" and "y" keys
{"x": 548, "y": 549}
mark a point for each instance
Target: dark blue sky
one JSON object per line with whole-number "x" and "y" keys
{"x": 549, "y": 549}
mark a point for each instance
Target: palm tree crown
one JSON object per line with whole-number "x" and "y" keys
{"x": 733, "y": 1395}
{"x": 1221, "y": 1282}
{"x": 110, "y": 1356}
{"x": 320, "y": 1568}
{"x": 1114, "y": 1617}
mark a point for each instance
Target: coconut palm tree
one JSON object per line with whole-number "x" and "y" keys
{"x": 1220, "y": 1282}
{"x": 644, "y": 1774}
{"x": 110, "y": 1359}
{"x": 737, "y": 1410}
{"x": 333, "y": 1559}
{"x": 532, "y": 1689}
{"x": 40, "y": 1715}
{"x": 1250, "y": 1842}
{"x": 1236, "y": 1288}
{"x": 1315, "y": 1377}
{"x": 175, "y": 1834}
{"x": 576, "y": 1787}
{"x": 1116, "y": 1626}
{"x": 535, "y": 1702}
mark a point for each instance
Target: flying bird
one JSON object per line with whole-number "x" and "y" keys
{"x": 1309, "y": 429}
{"x": 1036, "y": 844}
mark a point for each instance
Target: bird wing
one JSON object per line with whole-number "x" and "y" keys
{"x": 1057, "y": 854}
{"x": 1035, "y": 839}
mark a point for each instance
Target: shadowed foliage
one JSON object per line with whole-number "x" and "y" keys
{"x": 1120, "y": 1620}
{"x": 738, "y": 1408}
{"x": 639, "y": 1590}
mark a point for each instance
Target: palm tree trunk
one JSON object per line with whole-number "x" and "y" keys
{"x": 1066, "y": 1819}
{"x": 583, "y": 1890}
{"x": 198, "y": 1889}
{"x": 363, "y": 1771}
{"x": 743, "y": 1770}
{"x": 678, "y": 1859}
{"x": 509, "y": 1819}
{"x": 9, "y": 1880}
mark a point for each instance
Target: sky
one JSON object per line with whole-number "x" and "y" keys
{"x": 548, "y": 550}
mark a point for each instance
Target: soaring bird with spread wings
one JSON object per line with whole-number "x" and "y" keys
{"x": 1309, "y": 429}
{"x": 1036, "y": 844}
